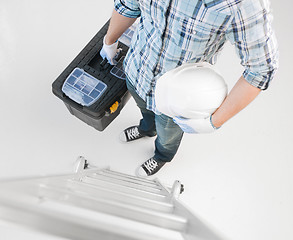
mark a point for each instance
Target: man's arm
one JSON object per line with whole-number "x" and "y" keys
{"x": 118, "y": 25}
{"x": 124, "y": 15}
{"x": 240, "y": 96}
{"x": 257, "y": 48}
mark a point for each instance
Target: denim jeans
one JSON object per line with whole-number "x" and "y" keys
{"x": 169, "y": 134}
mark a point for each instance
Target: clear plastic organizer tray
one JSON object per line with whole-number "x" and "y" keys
{"x": 128, "y": 34}
{"x": 83, "y": 88}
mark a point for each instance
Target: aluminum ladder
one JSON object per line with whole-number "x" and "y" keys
{"x": 101, "y": 204}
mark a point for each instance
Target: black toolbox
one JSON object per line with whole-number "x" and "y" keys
{"x": 101, "y": 113}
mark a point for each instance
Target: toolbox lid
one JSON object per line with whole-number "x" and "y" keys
{"x": 83, "y": 88}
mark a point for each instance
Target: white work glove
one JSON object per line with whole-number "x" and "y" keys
{"x": 110, "y": 52}
{"x": 191, "y": 125}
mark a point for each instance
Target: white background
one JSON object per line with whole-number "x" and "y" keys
{"x": 239, "y": 180}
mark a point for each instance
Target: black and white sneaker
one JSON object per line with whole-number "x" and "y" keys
{"x": 130, "y": 134}
{"x": 149, "y": 167}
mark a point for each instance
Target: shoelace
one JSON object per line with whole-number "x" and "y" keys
{"x": 151, "y": 164}
{"x": 132, "y": 133}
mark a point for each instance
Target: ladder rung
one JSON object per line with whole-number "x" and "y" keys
{"x": 125, "y": 189}
{"x": 129, "y": 176}
{"x": 95, "y": 178}
{"x": 165, "y": 220}
{"x": 77, "y": 223}
{"x": 127, "y": 179}
{"x": 103, "y": 193}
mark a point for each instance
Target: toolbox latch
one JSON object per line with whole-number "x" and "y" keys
{"x": 114, "y": 107}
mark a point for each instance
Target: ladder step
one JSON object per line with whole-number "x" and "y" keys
{"x": 141, "y": 179}
{"x": 77, "y": 223}
{"x": 130, "y": 179}
{"x": 103, "y": 193}
{"x": 125, "y": 189}
{"x": 97, "y": 178}
{"x": 133, "y": 229}
{"x": 125, "y": 180}
{"x": 165, "y": 220}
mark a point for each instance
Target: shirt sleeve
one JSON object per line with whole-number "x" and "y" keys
{"x": 252, "y": 34}
{"x": 127, "y": 8}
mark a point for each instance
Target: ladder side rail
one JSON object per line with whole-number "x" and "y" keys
{"x": 165, "y": 190}
{"x": 196, "y": 228}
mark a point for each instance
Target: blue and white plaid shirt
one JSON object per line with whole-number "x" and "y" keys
{"x": 172, "y": 32}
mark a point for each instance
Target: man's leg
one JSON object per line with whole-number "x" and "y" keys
{"x": 169, "y": 136}
{"x": 146, "y": 127}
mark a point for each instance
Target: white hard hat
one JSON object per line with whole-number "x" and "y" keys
{"x": 192, "y": 90}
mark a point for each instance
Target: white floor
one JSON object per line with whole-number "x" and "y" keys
{"x": 239, "y": 180}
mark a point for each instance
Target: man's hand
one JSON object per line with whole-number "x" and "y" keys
{"x": 118, "y": 25}
{"x": 191, "y": 125}
{"x": 110, "y": 52}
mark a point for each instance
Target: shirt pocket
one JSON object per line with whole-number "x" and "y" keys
{"x": 145, "y": 6}
{"x": 198, "y": 35}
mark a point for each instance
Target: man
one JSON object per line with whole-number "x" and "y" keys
{"x": 173, "y": 32}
